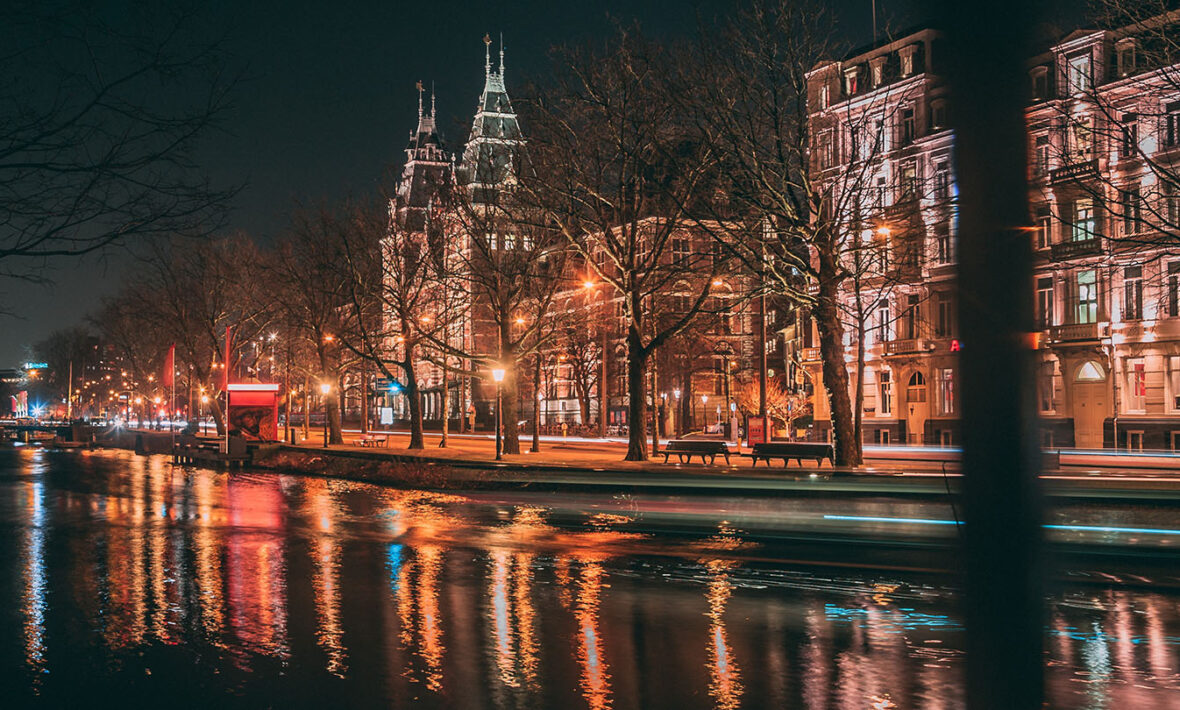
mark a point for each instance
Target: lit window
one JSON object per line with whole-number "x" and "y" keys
{"x": 946, "y": 390}
{"x": 1136, "y": 384}
{"x": 1083, "y": 220}
{"x": 1044, "y": 226}
{"x": 1086, "y": 310}
{"x": 1044, "y": 312}
{"x": 885, "y": 390}
{"x": 1080, "y": 73}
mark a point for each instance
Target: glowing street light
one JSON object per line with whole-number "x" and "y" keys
{"x": 498, "y": 376}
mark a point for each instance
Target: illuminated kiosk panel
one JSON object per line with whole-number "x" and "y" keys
{"x": 254, "y": 411}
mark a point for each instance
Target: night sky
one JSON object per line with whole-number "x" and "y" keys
{"x": 328, "y": 101}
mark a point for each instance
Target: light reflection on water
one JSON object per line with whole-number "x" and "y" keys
{"x": 288, "y": 590}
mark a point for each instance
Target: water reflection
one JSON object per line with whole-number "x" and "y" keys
{"x": 325, "y": 589}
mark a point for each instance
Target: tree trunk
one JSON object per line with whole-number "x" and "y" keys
{"x": 835, "y": 374}
{"x": 636, "y": 401}
{"x": 510, "y": 412}
{"x": 332, "y": 405}
{"x": 858, "y": 404}
{"x": 413, "y": 397}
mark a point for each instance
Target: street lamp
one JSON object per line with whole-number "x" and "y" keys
{"x": 325, "y": 390}
{"x": 204, "y": 425}
{"x": 705, "y": 407}
{"x": 498, "y": 376}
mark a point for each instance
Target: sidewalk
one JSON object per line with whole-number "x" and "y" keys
{"x": 556, "y": 452}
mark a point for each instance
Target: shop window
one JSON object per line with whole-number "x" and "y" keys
{"x": 1134, "y": 441}
{"x": 946, "y": 390}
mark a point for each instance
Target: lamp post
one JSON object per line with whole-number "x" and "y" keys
{"x": 677, "y": 415}
{"x": 204, "y": 401}
{"x": 325, "y": 389}
{"x": 498, "y": 376}
{"x": 705, "y": 408}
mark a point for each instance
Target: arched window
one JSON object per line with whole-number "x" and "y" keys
{"x": 1090, "y": 371}
{"x": 916, "y": 388}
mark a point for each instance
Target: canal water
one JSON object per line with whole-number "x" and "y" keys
{"x": 127, "y": 582}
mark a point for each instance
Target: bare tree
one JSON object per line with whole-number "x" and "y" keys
{"x": 797, "y": 188}
{"x": 614, "y": 169}
{"x": 100, "y": 117}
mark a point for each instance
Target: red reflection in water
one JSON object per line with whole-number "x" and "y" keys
{"x": 256, "y": 579}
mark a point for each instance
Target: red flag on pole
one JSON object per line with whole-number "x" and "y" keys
{"x": 226, "y": 362}
{"x": 169, "y": 378}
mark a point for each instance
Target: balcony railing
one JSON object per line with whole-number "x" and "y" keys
{"x": 1075, "y": 332}
{"x": 1075, "y": 249}
{"x": 809, "y": 355}
{"x": 1074, "y": 171}
{"x": 908, "y": 346}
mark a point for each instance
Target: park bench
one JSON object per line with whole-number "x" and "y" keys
{"x": 787, "y": 450}
{"x": 687, "y": 448}
{"x": 373, "y": 439}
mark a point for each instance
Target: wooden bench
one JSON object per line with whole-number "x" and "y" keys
{"x": 687, "y": 448}
{"x": 787, "y": 450}
{"x": 373, "y": 439}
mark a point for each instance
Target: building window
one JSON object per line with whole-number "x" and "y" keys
{"x": 1133, "y": 293}
{"x": 1174, "y": 383}
{"x": 1171, "y": 204}
{"x": 946, "y": 390}
{"x": 908, "y": 182}
{"x": 1083, "y": 220}
{"x": 907, "y": 60}
{"x": 1044, "y": 303}
{"x": 912, "y": 322}
{"x": 1041, "y": 155}
{"x": 1044, "y": 226}
{"x": 1086, "y": 310}
{"x": 850, "y": 76}
{"x": 1136, "y": 384}
{"x": 1172, "y": 125}
{"x": 944, "y": 323}
{"x": 1081, "y": 138}
{"x": 1040, "y": 82}
{"x": 825, "y": 97}
{"x": 824, "y": 149}
{"x": 883, "y": 329}
{"x": 1080, "y": 73}
{"x": 681, "y": 251}
{"x": 878, "y": 71}
{"x": 1129, "y": 143}
{"x": 942, "y": 181}
{"x": 1173, "y": 287}
{"x": 1047, "y": 387}
{"x": 938, "y": 117}
{"x": 1132, "y": 210}
{"x": 942, "y": 243}
{"x": 885, "y": 393}
{"x": 1126, "y": 57}
{"x": 907, "y": 126}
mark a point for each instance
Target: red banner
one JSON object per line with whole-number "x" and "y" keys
{"x": 169, "y": 378}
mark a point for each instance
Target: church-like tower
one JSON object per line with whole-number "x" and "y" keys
{"x": 426, "y": 172}
{"x": 487, "y": 161}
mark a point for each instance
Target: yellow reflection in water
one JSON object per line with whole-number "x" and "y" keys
{"x": 501, "y": 619}
{"x": 725, "y": 679}
{"x": 525, "y": 617}
{"x": 432, "y": 647}
{"x": 209, "y": 494}
{"x": 326, "y": 576}
{"x": 595, "y": 676}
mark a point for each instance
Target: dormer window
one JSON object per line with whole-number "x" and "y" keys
{"x": 1040, "y": 82}
{"x": 907, "y": 59}
{"x": 1125, "y": 56}
{"x": 877, "y": 70}
{"x": 850, "y": 81}
{"x": 1080, "y": 73}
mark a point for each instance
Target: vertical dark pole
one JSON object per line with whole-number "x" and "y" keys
{"x": 536, "y": 402}
{"x": 986, "y": 45}
{"x": 499, "y": 442}
{"x": 603, "y": 396}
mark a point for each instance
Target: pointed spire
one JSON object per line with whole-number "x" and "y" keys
{"x": 432, "y": 115}
{"x": 487, "y": 55}
{"x": 501, "y": 55}
{"x": 419, "y": 85}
